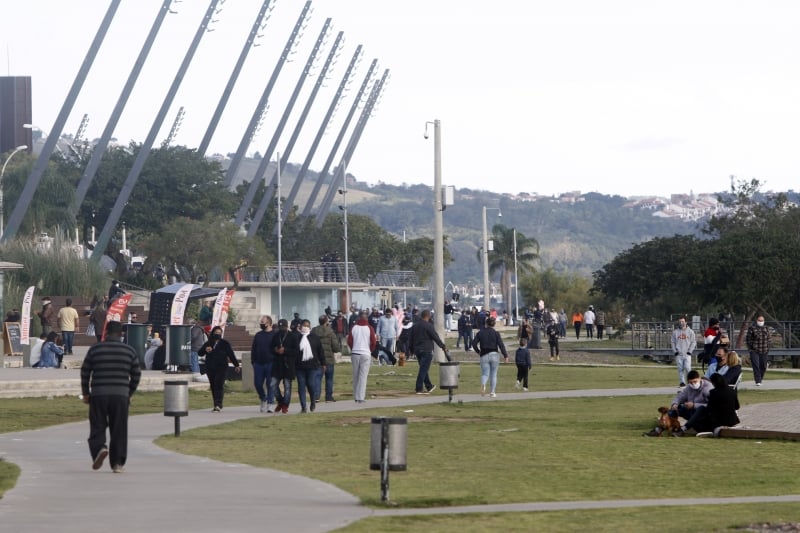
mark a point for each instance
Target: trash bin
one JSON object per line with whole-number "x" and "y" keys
{"x": 176, "y": 402}
{"x": 448, "y": 375}
{"x": 176, "y": 398}
{"x": 179, "y": 347}
{"x": 398, "y": 438}
{"x": 136, "y": 337}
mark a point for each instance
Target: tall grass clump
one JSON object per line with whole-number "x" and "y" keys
{"x": 55, "y": 270}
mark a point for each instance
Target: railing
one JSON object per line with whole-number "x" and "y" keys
{"x": 656, "y": 335}
{"x": 396, "y": 278}
{"x": 303, "y": 272}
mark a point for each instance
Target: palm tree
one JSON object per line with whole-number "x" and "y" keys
{"x": 502, "y": 257}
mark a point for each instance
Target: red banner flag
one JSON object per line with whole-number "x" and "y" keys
{"x": 116, "y": 311}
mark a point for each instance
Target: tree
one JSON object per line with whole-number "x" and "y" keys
{"x": 200, "y": 246}
{"x": 558, "y": 290}
{"x": 502, "y": 257}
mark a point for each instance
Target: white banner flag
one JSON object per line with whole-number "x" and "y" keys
{"x": 179, "y": 304}
{"x": 218, "y": 307}
{"x": 25, "y": 326}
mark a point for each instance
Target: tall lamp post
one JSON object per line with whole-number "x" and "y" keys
{"x": 437, "y": 299}
{"x": 2, "y": 173}
{"x": 343, "y": 207}
{"x": 486, "y": 258}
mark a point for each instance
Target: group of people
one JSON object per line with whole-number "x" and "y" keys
{"x": 591, "y": 321}
{"x": 709, "y": 401}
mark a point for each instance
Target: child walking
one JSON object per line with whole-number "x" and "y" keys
{"x": 552, "y": 340}
{"x": 523, "y": 360}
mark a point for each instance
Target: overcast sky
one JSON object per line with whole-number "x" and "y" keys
{"x": 620, "y": 97}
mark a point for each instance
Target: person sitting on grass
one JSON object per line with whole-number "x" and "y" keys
{"x": 720, "y": 411}
{"x": 689, "y": 403}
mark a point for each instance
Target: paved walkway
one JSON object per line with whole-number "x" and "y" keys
{"x": 165, "y": 491}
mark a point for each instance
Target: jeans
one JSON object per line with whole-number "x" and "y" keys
{"x": 712, "y": 367}
{"x": 68, "y": 337}
{"x": 308, "y": 380}
{"x": 467, "y": 336}
{"x": 194, "y": 362}
{"x": 286, "y": 397}
{"x": 329, "y": 371}
{"x": 425, "y": 359}
{"x": 684, "y": 363}
{"x": 489, "y": 364}
{"x": 361, "y": 365}
{"x": 589, "y": 330}
{"x": 759, "y": 363}
{"x": 562, "y": 329}
{"x": 262, "y": 375}
{"x": 388, "y": 343}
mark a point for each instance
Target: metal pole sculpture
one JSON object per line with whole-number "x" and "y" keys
{"x": 237, "y": 69}
{"x": 262, "y": 167}
{"x": 25, "y": 198}
{"x": 325, "y": 121}
{"x": 244, "y": 144}
{"x": 262, "y": 206}
{"x": 324, "y": 172}
{"x": 100, "y": 148}
{"x": 144, "y": 151}
{"x": 351, "y": 146}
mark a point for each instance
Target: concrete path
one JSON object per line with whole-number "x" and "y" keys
{"x": 164, "y": 491}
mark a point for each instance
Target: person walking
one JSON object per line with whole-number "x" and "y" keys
{"x": 757, "y": 341}
{"x": 285, "y": 346}
{"x": 310, "y": 362}
{"x": 562, "y": 324}
{"x": 683, "y": 342}
{"x": 465, "y": 330}
{"x": 577, "y": 320}
{"x": 448, "y": 316}
{"x": 487, "y": 344}
{"x": 98, "y": 317}
{"x": 362, "y": 341}
{"x": 523, "y": 360}
{"x": 600, "y": 323}
{"x": 218, "y": 354}
{"x": 552, "y": 341}
{"x": 423, "y": 337}
{"x": 330, "y": 347}
{"x": 387, "y": 331}
{"x": 261, "y": 357}
{"x": 110, "y": 374}
{"x": 69, "y": 323}
{"x": 588, "y": 322}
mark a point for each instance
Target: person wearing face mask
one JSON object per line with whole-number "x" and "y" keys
{"x": 683, "y": 342}
{"x": 310, "y": 362}
{"x": 330, "y": 346}
{"x": 689, "y": 403}
{"x": 286, "y": 347}
{"x": 219, "y": 353}
{"x": 261, "y": 357}
{"x": 758, "y": 343}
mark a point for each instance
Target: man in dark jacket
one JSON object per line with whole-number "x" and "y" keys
{"x": 285, "y": 346}
{"x": 261, "y": 357}
{"x": 423, "y": 337}
{"x": 330, "y": 346}
{"x": 109, "y": 376}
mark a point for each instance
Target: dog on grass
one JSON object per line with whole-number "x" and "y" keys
{"x": 668, "y": 422}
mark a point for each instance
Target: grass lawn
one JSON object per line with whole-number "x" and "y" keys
{"x": 495, "y": 452}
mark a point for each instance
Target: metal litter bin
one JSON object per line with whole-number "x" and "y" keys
{"x": 397, "y": 442}
{"x": 448, "y": 376}
{"x": 176, "y": 402}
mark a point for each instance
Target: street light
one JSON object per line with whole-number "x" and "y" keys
{"x": 486, "y": 258}
{"x": 2, "y": 173}
{"x": 437, "y": 299}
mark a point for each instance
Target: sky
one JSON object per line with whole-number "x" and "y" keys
{"x": 624, "y": 97}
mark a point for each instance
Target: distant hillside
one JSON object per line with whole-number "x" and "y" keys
{"x": 579, "y": 237}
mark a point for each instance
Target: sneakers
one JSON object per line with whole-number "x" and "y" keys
{"x": 525, "y": 389}
{"x": 284, "y": 409}
{"x": 679, "y": 433}
{"x": 758, "y": 384}
{"x": 263, "y": 407}
{"x": 706, "y": 434}
{"x": 433, "y": 388}
{"x": 517, "y": 385}
{"x": 118, "y": 469}
{"x": 420, "y": 392}
{"x": 558, "y": 358}
{"x": 329, "y": 400}
{"x": 682, "y": 385}
{"x": 270, "y": 407}
{"x": 216, "y": 409}
{"x": 483, "y": 390}
{"x": 99, "y": 458}
{"x": 492, "y": 395}
{"x": 552, "y": 358}
{"x": 655, "y": 432}
{"x": 313, "y": 405}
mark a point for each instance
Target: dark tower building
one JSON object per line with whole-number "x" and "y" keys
{"x": 15, "y": 110}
